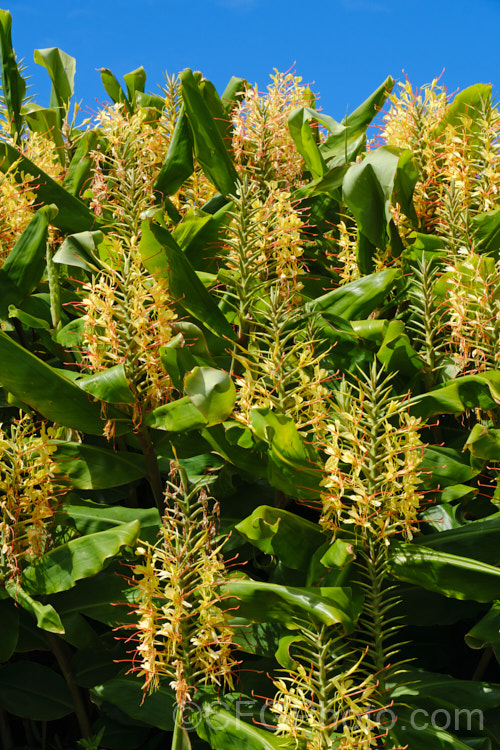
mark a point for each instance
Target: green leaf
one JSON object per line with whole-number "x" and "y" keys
{"x": 23, "y": 268}
{"x": 106, "y": 597}
{"x": 63, "y": 566}
{"x": 468, "y": 392}
{"x": 178, "y": 164}
{"x": 91, "y": 518}
{"x": 61, "y": 68}
{"x": 212, "y": 392}
{"x": 396, "y": 352}
{"x": 418, "y": 733}
{"x": 32, "y": 691}
{"x": 9, "y": 629}
{"x": 46, "y": 616}
{"x": 299, "y": 125}
{"x": 487, "y": 631}
{"x": 163, "y": 257}
{"x": 486, "y": 231}
{"x": 208, "y": 144}
{"x": 293, "y": 467}
{"x": 177, "y": 416}
{"x": 111, "y": 385}
{"x": 484, "y": 443}
{"x": 73, "y": 216}
{"x": 451, "y": 575}
{"x": 47, "y": 390}
{"x": 479, "y": 540}
{"x": 466, "y": 104}
{"x": 224, "y": 731}
{"x": 80, "y": 250}
{"x": 126, "y": 693}
{"x": 89, "y": 467}
{"x": 81, "y": 164}
{"x": 259, "y": 602}
{"x": 358, "y": 299}
{"x": 444, "y": 467}
{"x": 112, "y": 87}
{"x": 278, "y": 532}
{"x": 135, "y": 81}
{"x": 46, "y": 121}
{"x": 13, "y": 84}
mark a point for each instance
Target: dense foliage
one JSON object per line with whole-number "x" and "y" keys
{"x": 249, "y": 404}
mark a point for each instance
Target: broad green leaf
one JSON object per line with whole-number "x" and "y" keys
{"x": 80, "y": 250}
{"x": 208, "y": 144}
{"x": 61, "y": 68}
{"x": 33, "y": 691}
{"x": 91, "y": 518}
{"x": 467, "y": 104}
{"x": 221, "y": 117}
{"x": 418, "y": 733}
{"x": 396, "y": 352}
{"x": 330, "y": 183}
{"x": 81, "y": 164}
{"x": 240, "y": 452}
{"x": 276, "y": 531}
{"x": 225, "y": 731}
{"x": 484, "y": 443}
{"x": 259, "y": 602}
{"x": 180, "y": 740}
{"x": 163, "y": 257}
{"x": 451, "y": 575}
{"x": 95, "y": 665}
{"x": 177, "y": 416}
{"x": 468, "y": 392}
{"x": 23, "y": 268}
{"x": 111, "y": 385}
{"x": 13, "y": 84}
{"x": 479, "y": 540}
{"x": 47, "y": 390}
{"x": 364, "y": 195}
{"x": 444, "y": 467}
{"x": 89, "y": 467}
{"x": 212, "y": 392}
{"x": 9, "y": 629}
{"x": 486, "y": 230}
{"x": 73, "y": 216}
{"x": 126, "y": 693}
{"x": 293, "y": 466}
{"x": 46, "y": 121}
{"x": 46, "y": 616}
{"x": 106, "y": 597}
{"x": 299, "y": 125}
{"x": 359, "y": 298}
{"x": 135, "y": 81}
{"x": 112, "y": 87}
{"x": 62, "y": 567}
{"x": 178, "y": 164}
{"x": 486, "y": 632}
{"x": 234, "y": 92}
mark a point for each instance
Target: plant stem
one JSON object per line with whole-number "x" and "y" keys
{"x": 5, "y": 733}
{"x": 58, "y": 648}
{"x": 154, "y": 475}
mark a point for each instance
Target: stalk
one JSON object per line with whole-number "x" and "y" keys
{"x": 59, "y": 651}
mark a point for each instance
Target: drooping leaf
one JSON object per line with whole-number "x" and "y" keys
{"x": 33, "y": 691}
{"x": 80, "y": 250}
{"x": 259, "y": 602}
{"x": 479, "y": 540}
{"x": 46, "y": 616}
{"x": 61, "y": 69}
{"x": 293, "y": 466}
{"x": 451, "y": 575}
{"x": 90, "y": 518}
{"x": 225, "y": 731}
{"x": 89, "y": 467}
{"x": 85, "y": 556}
{"x": 47, "y": 390}
{"x": 126, "y": 693}
{"x": 467, "y": 392}
{"x": 212, "y": 391}
{"x": 486, "y": 632}
{"x": 73, "y": 216}
{"x": 105, "y": 597}
{"x": 46, "y": 121}
{"x": 111, "y": 385}
{"x": 276, "y": 531}
{"x": 24, "y": 266}
{"x": 357, "y": 299}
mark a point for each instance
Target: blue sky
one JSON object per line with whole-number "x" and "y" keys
{"x": 343, "y": 48}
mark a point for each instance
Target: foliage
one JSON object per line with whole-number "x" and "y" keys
{"x": 250, "y": 406}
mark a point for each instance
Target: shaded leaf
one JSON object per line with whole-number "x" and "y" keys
{"x": 33, "y": 691}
